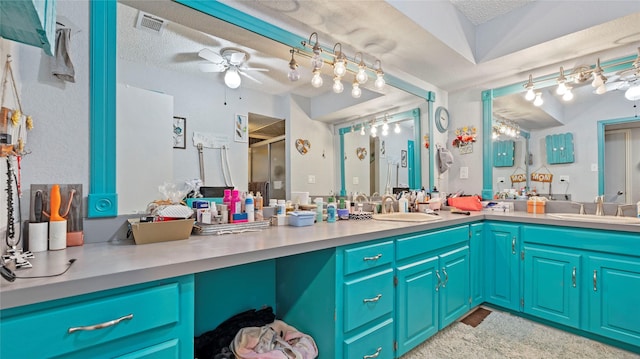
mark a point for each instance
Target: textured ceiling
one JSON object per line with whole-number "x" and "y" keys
{"x": 481, "y": 11}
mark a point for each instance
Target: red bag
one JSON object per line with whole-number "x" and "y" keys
{"x": 467, "y": 203}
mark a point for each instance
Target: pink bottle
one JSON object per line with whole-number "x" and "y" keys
{"x": 236, "y": 205}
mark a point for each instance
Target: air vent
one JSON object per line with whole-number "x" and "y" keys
{"x": 150, "y": 23}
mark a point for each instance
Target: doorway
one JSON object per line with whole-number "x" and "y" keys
{"x": 267, "y": 156}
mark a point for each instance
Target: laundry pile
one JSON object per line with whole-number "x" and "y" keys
{"x": 255, "y": 334}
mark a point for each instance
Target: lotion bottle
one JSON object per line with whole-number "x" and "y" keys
{"x": 403, "y": 205}
{"x": 249, "y": 207}
{"x": 331, "y": 210}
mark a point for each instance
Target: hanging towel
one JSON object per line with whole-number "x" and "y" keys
{"x": 62, "y": 65}
{"x": 445, "y": 159}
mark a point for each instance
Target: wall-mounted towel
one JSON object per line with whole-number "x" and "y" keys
{"x": 62, "y": 65}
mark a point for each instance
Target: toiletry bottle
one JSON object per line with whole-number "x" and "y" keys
{"x": 319, "y": 210}
{"x": 258, "y": 205}
{"x": 235, "y": 207}
{"x": 403, "y": 205}
{"x": 281, "y": 208}
{"x": 249, "y": 208}
{"x": 331, "y": 210}
{"x": 226, "y": 200}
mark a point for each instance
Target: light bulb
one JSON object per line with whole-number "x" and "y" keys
{"x": 396, "y": 129}
{"x": 232, "y": 78}
{"x": 633, "y": 93}
{"x": 379, "y": 83}
{"x": 385, "y": 131}
{"x": 356, "y": 92}
{"x": 494, "y": 135}
{"x": 337, "y": 85}
{"x": 339, "y": 68}
{"x": 316, "y": 80}
{"x": 601, "y": 89}
{"x": 538, "y": 101}
{"x": 293, "y": 75}
{"x": 374, "y": 130}
{"x": 362, "y": 130}
{"x": 568, "y": 95}
{"x": 361, "y": 76}
{"x": 530, "y": 95}
{"x": 385, "y": 126}
{"x": 598, "y": 80}
{"x": 562, "y": 89}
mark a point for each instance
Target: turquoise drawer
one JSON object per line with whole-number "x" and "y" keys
{"x": 367, "y": 298}
{"x": 48, "y": 332}
{"x": 166, "y": 350}
{"x": 374, "y": 343}
{"x": 361, "y": 257}
{"x": 423, "y": 243}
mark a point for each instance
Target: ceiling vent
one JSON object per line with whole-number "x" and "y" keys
{"x": 150, "y": 23}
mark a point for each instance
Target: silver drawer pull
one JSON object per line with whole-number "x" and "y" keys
{"x": 374, "y": 299}
{"x": 446, "y": 277}
{"x": 374, "y": 258}
{"x": 439, "y": 280}
{"x": 573, "y": 277}
{"x": 595, "y": 280}
{"x": 101, "y": 325}
{"x": 375, "y": 355}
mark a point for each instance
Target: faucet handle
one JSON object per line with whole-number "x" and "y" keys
{"x": 621, "y": 208}
{"x": 582, "y": 211}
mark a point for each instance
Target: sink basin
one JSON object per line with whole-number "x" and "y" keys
{"x": 594, "y": 218}
{"x": 406, "y": 217}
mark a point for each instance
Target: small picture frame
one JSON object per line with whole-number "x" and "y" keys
{"x": 240, "y": 128}
{"x": 179, "y": 132}
{"x": 403, "y": 158}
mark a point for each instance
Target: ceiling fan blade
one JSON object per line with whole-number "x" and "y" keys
{"x": 254, "y": 69}
{"x": 249, "y": 77}
{"x": 211, "y": 56}
{"x": 211, "y": 67}
{"x": 236, "y": 58}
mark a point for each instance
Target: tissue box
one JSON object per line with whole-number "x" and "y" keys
{"x": 534, "y": 206}
{"x": 301, "y": 218}
{"x": 151, "y": 232}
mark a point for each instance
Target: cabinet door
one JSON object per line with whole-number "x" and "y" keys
{"x": 166, "y": 350}
{"x": 551, "y": 288}
{"x": 454, "y": 291}
{"x": 502, "y": 265}
{"x": 476, "y": 264}
{"x": 614, "y": 297}
{"x": 417, "y": 302}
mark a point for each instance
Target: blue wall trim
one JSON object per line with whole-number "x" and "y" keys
{"x": 102, "y": 200}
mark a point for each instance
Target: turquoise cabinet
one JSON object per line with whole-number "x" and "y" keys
{"x": 476, "y": 263}
{"x": 31, "y": 22}
{"x": 551, "y": 284}
{"x": 503, "y": 153}
{"x": 502, "y": 265}
{"x": 149, "y": 320}
{"x": 433, "y": 283}
{"x": 559, "y": 148}
{"x": 613, "y": 287}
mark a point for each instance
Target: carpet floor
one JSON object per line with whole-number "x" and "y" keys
{"x": 501, "y": 335}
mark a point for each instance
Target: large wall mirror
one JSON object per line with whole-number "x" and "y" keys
{"x": 602, "y": 130}
{"x": 114, "y": 78}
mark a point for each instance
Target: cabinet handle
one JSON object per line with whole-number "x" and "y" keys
{"x": 573, "y": 277}
{"x": 446, "y": 277}
{"x": 374, "y": 355}
{"x": 439, "y": 280}
{"x": 513, "y": 245}
{"x": 595, "y": 280}
{"x": 110, "y": 323}
{"x": 374, "y": 299}
{"x": 374, "y": 258}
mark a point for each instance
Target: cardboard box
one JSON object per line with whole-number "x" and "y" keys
{"x": 151, "y": 232}
{"x": 534, "y": 206}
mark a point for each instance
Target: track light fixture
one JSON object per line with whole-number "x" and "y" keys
{"x": 340, "y": 63}
{"x": 595, "y": 74}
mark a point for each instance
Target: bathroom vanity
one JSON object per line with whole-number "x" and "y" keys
{"x": 357, "y": 287}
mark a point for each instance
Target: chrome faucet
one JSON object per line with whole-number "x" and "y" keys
{"x": 581, "y": 207}
{"x": 600, "y": 205}
{"x": 385, "y": 198}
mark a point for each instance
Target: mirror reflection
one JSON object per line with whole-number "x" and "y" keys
{"x": 577, "y": 178}
{"x": 170, "y": 71}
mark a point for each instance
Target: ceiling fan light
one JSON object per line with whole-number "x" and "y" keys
{"x": 232, "y": 78}
{"x": 316, "y": 80}
{"x": 633, "y": 93}
{"x": 538, "y": 101}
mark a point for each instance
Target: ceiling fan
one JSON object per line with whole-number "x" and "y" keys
{"x": 231, "y": 61}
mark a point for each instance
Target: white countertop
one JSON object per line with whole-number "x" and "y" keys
{"x": 109, "y": 265}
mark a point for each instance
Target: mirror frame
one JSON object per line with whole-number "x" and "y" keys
{"x": 601, "y": 130}
{"x": 102, "y": 200}
{"x": 417, "y": 149}
{"x": 541, "y": 82}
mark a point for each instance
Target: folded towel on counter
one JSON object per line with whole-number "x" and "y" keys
{"x": 62, "y": 65}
